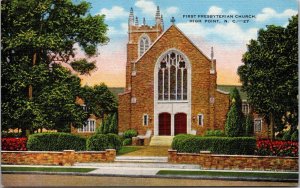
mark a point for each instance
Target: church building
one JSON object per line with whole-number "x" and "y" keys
{"x": 170, "y": 83}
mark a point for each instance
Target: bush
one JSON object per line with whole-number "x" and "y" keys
{"x": 55, "y": 142}
{"x": 277, "y": 148}
{"x": 101, "y": 142}
{"x": 218, "y": 145}
{"x": 130, "y": 133}
{"x": 127, "y": 141}
{"x": 11, "y": 135}
{"x": 214, "y": 133}
{"x": 286, "y": 135}
{"x": 294, "y": 136}
{"x": 114, "y": 141}
{"x": 108, "y": 125}
{"x": 13, "y": 144}
{"x": 97, "y": 142}
{"x": 249, "y": 125}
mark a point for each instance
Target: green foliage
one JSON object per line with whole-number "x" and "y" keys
{"x": 36, "y": 37}
{"x": 127, "y": 141}
{"x": 249, "y": 129}
{"x": 270, "y": 72}
{"x": 287, "y": 135}
{"x": 83, "y": 66}
{"x": 295, "y": 135}
{"x": 100, "y": 142}
{"x": 109, "y": 125}
{"x": 55, "y": 142}
{"x": 218, "y": 145}
{"x": 97, "y": 142}
{"x": 214, "y": 133}
{"x": 99, "y": 99}
{"x": 235, "y": 117}
{"x": 130, "y": 133}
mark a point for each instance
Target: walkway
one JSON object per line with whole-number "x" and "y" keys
{"x": 150, "y": 151}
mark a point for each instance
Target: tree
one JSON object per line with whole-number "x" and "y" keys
{"x": 249, "y": 129}
{"x": 235, "y": 118}
{"x": 270, "y": 73}
{"x": 36, "y": 34}
{"x": 109, "y": 125}
{"x": 99, "y": 100}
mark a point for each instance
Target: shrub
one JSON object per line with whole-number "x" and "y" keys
{"x": 286, "y": 135}
{"x": 277, "y": 148}
{"x": 127, "y": 141}
{"x": 130, "y": 133}
{"x": 294, "y": 136}
{"x": 55, "y": 142}
{"x": 97, "y": 142}
{"x": 101, "y": 142}
{"x": 108, "y": 125}
{"x": 10, "y": 135}
{"x": 214, "y": 133}
{"x": 218, "y": 145}
{"x": 249, "y": 125}
{"x": 114, "y": 141}
{"x": 13, "y": 144}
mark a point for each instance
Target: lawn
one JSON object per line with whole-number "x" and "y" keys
{"x": 231, "y": 174}
{"x": 128, "y": 149}
{"x": 46, "y": 169}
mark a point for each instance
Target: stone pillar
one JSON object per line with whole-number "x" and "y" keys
{"x": 172, "y": 124}
{"x": 68, "y": 158}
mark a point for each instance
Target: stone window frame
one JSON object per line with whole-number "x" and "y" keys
{"x": 255, "y": 126}
{"x": 147, "y": 119}
{"x": 202, "y": 119}
{"x": 245, "y": 107}
{"x": 90, "y": 127}
{"x": 182, "y": 83}
{"x": 143, "y": 48}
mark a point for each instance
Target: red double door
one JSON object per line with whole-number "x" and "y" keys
{"x": 180, "y": 120}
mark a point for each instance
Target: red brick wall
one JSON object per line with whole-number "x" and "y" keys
{"x": 241, "y": 162}
{"x": 67, "y": 157}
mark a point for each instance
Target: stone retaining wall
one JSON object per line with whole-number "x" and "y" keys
{"x": 235, "y": 162}
{"x": 65, "y": 158}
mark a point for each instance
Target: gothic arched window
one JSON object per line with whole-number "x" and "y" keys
{"x": 172, "y": 77}
{"x": 144, "y": 44}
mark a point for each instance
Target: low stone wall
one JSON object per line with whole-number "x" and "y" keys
{"x": 235, "y": 162}
{"x": 65, "y": 158}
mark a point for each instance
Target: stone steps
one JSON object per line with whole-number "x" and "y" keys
{"x": 139, "y": 159}
{"x": 161, "y": 140}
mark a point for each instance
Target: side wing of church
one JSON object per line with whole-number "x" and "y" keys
{"x": 170, "y": 84}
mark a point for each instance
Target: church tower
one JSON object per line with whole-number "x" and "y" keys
{"x": 140, "y": 38}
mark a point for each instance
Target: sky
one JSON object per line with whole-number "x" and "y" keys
{"x": 228, "y": 39}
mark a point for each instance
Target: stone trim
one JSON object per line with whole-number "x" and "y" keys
{"x": 233, "y": 162}
{"x": 64, "y": 158}
{"x": 223, "y": 92}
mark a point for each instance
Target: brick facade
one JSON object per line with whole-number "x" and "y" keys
{"x": 65, "y": 158}
{"x": 205, "y": 99}
{"x": 235, "y": 162}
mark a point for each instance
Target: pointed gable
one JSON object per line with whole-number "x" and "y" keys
{"x": 175, "y": 30}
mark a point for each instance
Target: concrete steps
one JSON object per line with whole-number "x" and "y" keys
{"x": 139, "y": 159}
{"x": 161, "y": 140}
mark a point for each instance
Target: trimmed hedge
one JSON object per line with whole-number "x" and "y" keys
{"x": 101, "y": 142}
{"x": 217, "y": 145}
{"x": 55, "y": 142}
{"x": 219, "y": 133}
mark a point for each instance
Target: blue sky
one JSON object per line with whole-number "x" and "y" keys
{"x": 228, "y": 39}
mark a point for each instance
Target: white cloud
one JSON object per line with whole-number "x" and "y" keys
{"x": 122, "y": 31}
{"x": 268, "y": 13}
{"x": 226, "y": 32}
{"x": 172, "y": 10}
{"x": 147, "y": 7}
{"x": 214, "y": 10}
{"x": 114, "y": 12}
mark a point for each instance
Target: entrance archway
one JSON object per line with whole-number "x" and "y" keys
{"x": 180, "y": 121}
{"x": 164, "y": 124}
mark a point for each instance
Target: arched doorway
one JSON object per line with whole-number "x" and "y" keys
{"x": 180, "y": 120}
{"x": 164, "y": 124}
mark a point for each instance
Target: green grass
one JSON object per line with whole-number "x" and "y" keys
{"x": 231, "y": 174}
{"x": 128, "y": 149}
{"x": 45, "y": 169}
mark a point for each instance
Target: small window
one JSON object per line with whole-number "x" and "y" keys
{"x": 84, "y": 107}
{"x": 257, "y": 125}
{"x": 90, "y": 126}
{"x": 200, "y": 119}
{"x": 145, "y": 119}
